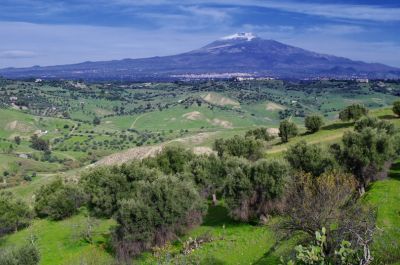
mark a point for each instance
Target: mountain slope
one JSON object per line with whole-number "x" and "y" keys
{"x": 239, "y": 53}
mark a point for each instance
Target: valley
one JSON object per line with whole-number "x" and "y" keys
{"x": 90, "y": 125}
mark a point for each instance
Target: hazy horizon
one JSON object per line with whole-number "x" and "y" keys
{"x": 59, "y": 32}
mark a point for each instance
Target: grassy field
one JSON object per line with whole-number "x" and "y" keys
{"x": 154, "y": 114}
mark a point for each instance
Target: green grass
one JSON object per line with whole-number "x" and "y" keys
{"x": 59, "y": 242}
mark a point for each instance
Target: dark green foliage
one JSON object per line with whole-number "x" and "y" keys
{"x": 96, "y": 121}
{"x": 17, "y": 140}
{"x": 58, "y": 200}
{"x": 313, "y": 123}
{"x": 39, "y": 143}
{"x": 171, "y": 160}
{"x": 207, "y": 173}
{"x": 239, "y": 146}
{"x": 250, "y": 190}
{"x": 396, "y": 107}
{"x": 373, "y": 122}
{"x": 25, "y": 255}
{"x": 260, "y": 134}
{"x": 106, "y": 186}
{"x": 287, "y": 130}
{"x": 14, "y": 213}
{"x": 353, "y": 112}
{"x": 365, "y": 153}
{"x": 154, "y": 213}
{"x": 309, "y": 158}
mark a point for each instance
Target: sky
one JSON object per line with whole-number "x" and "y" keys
{"x": 54, "y": 32}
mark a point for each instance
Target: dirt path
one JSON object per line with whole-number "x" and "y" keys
{"x": 139, "y": 117}
{"x": 148, "y": 151}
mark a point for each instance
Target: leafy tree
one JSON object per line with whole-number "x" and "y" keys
{"x": 17, "y": 140}
{"x": 58, "y": 200}
{"x": 309, "y": 158}
{"x": 14, "y": 213}
{"x": 208, "y": 174}
{"x": 25, "y": 255}
{"x": 250, "y": 190}
{"x": 313, "y": 123}
{"x": 353, "y": 112}
{"x": 239, "y": 146}
{"x": 39, "y": 143}
{"x": 96, "y": 121}
{"x": 106, "y": 186}
{"x": 154, "y": 213}
{"x": 373, "y": 122}
{"x": 171, "y": 160}
{"x": 396, "y": 107}
{"x": 365, "y": 153}
{"x": 287, "y": 130}
{"x": 260, "y": 134}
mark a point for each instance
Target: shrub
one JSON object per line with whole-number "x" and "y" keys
{"x": 106, "y": 186}
{"x": 25, "y": 255}
{"x": 154, "y": 213}
{"x": 14, "y": 213}
{"x": 396, "y": 107}
{"x": 171, "y": 160}
{"x": 313, "y": 123}
{"x": 58, "y": 200}
{"x": 373, "y": 122}
{"x": 309, "y": 158}
{"x": 353, "y": 112}
{"x": 365, "y": 153}
{"x": 260, "y": 134}
{"x": 251, "y": 190}
{"x": 287, "y": 130}
{"x": 39, "y": 143}
{"x": 239, "y": 146}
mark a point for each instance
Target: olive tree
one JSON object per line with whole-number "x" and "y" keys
{"x": 353, "y": 112}
{"x": 396, "y": 107}
{"x": 287, "y": 130}
{"x": 14, "y": 213}
{"x": 313, "y": 123}
{"x": 154, "y": 213}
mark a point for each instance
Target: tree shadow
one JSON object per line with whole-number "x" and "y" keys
{"x": 388, "y": 117}
{"x": 394, "y": 172}
{"x": 336, "y": 126}
{"x": 218, "y": 215}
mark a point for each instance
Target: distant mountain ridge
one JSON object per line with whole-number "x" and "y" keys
{"x": 239, "y": 53}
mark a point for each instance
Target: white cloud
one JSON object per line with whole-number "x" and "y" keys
{"x": 17, "y": 54}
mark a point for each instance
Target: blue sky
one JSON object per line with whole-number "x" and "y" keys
{"x": 51, "y": 32}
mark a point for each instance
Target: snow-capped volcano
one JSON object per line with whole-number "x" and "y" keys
{"x": 241, "y": 36}
{"x": 239, "y": 53}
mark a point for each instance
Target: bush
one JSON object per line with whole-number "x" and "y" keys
{"x": 313, "y": 123}
{"x": 353, "y": 112}
{"x": 171, "y": 160}
{"x": 309, "y": 158}
{"x": 14, "y": 213}
{"x": 396, "y": 107}
{"x": 287, "y": 130}
{"x": 39, "y": 143}
{"x": 239, "y": 146}
{"x": 260, "y": 134}
{"x": 58, "y": 200}
{"x": 373, "y": 122}
{"x": 251, "y": 190}
{"x": 154, "y": 213}
{"x": 106, "y": 186}
{"x": 25, "y": 255}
